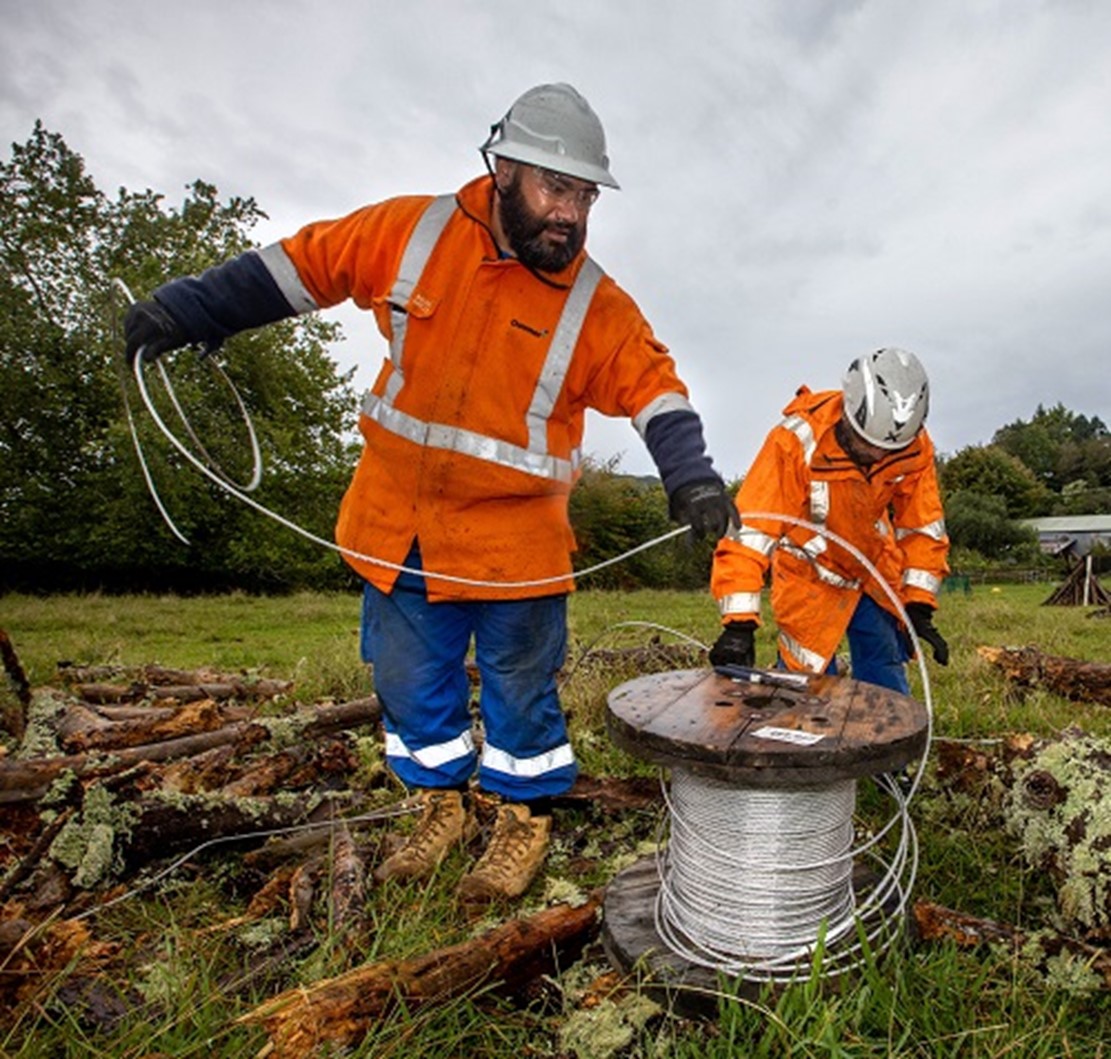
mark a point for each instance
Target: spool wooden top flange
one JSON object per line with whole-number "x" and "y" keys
{"x": 809, "y": 730}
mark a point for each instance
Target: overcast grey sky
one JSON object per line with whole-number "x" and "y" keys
{"x": 801, "y": 180}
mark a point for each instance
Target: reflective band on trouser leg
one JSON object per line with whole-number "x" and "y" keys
{"x": 519, "y": 648}
{"x": 417, "y": 650}
{"x": 877, "y": 647}
{"x": 434, "y": 756}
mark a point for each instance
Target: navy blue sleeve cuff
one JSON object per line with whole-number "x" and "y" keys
{"x": 225, "y": 300}
{"x": 677, "y": 447}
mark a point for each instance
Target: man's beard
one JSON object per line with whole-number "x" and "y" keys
{"x": 525, "y": 232}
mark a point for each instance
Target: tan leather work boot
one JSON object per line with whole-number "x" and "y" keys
{"x": 515, "y": 853}
{"x": 444, "y": 822}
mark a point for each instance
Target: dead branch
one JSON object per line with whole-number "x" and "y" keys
{"x": 41, "y": 951}
{"x": 302, "y": 890}
{"x": 339, "y": 1010}
{"x": 647, "y": 658}
{"x": 273, "y": 893}
{"x": 348, "y": 872}
{"x": 264, "y": 776}
{"x": 1080, "y": 589}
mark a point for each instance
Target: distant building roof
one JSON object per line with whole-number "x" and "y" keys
{"x": 1070, "y": 524}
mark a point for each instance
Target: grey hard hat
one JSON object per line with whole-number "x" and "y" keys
{"x": 554, "y": 127}
{"x": 887, "y": 396}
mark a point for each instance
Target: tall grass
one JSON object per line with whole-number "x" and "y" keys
{"x": 177, "y": 987}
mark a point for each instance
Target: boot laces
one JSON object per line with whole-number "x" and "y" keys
{"x": 510, "y": 840}
{"x": 439, "y": 810}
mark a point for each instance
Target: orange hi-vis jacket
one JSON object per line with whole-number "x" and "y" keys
{"x": 891, "y": 512}
{"x": 474, "y": 422}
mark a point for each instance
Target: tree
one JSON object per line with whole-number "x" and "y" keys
{"x": 1060, "y": 447}
{"x": 989, "y": 471}
{"x": 74, "y": 510}
{"x": 612, "y": 513}
{"x": 981, "y": 524}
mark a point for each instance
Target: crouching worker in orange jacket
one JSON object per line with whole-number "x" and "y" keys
{"x": 502, "y": 332}
{"x": 859, "y": 463}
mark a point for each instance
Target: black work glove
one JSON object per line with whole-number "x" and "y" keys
{"x": 922, "y": 618}
{"x": 736, "y": 645}
{"x": 706, "y": 507}
{"x": 150, "y": 327}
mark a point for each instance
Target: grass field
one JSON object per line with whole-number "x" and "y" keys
{"x": 920, "y": 1001}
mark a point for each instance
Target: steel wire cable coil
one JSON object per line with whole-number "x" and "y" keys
{"x": 752, "y": 879}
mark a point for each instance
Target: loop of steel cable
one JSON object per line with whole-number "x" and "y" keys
{"x": 350, "y": 553}
{"x": 216, "y": 469}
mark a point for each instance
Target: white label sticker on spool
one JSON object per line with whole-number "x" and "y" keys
{"x": 789, "y": 735}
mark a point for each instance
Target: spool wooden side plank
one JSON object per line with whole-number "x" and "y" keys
{"x": 764, "y": 734}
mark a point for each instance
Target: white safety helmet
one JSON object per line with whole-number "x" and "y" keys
{"x": 553, "y": 126}
{"x": 887, "y": 396}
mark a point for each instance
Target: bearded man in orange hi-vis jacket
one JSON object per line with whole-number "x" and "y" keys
{"x": 502, "y": 332}
{"x": 858, "y": 463}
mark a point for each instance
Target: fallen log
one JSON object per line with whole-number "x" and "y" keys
{"x": 218, "y": 690}
{"x": 982, "y": 766}
{"x": 1054, "y": 797}
{"x": 1059, "y": 808}
{"x": 113, "y": 684}
{"x": 29, "y": 779}
{"x": 1071, "y": 678}
{"x": 338, "y": 1011}
{"x": 163, "y": 827}
{"x": 205, "y": 771}
{"x": 81, "y": 728}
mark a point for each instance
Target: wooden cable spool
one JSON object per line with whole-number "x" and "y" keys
{"x": 770, "y": 731}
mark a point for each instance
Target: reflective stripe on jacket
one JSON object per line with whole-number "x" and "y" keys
{"x": 474, "y": 422}
{"x": 891, "y": 513}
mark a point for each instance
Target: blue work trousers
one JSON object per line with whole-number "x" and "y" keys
{"x": 418, "y": 650}
{"x": 877, "y": 647}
